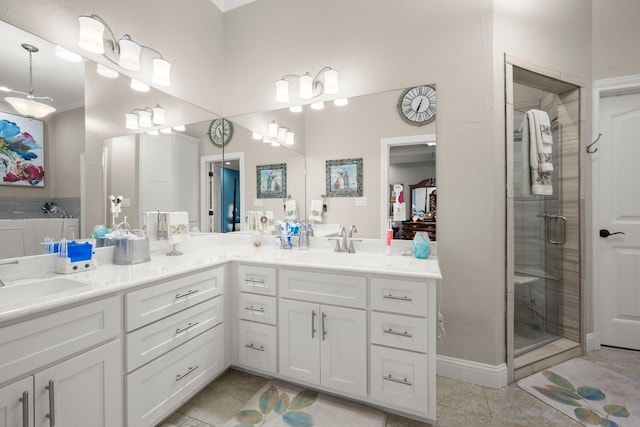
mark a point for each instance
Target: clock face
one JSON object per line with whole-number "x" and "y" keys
{"x": 220, "y": 132}
{"x": 417, "y": 105}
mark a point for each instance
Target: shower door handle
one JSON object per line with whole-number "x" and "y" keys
{"x": 563, "y": 228}
{"x": 606, "y": 233}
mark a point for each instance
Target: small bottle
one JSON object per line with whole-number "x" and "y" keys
{"x": 389, "y": 238}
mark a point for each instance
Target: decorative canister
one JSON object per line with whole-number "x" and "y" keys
{"x": 421, "y": 245}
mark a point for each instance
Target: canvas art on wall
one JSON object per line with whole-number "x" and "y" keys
{"x": 271, "y": 181}
{"x": 344, "y": 178}
{"x": 21, "y": 151}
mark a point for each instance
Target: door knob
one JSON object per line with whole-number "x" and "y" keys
{"x": 605, "y": 233}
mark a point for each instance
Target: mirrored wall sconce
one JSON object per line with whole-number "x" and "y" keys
{"x": 145, "y": 117}
{"x": 325, "y": 82}
{"x": 126, "y": 51}
{"x": 276, "y": 135}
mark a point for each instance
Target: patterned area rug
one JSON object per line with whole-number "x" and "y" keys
{"x": 279, "y": 404}
{"x": 588, "y": 393}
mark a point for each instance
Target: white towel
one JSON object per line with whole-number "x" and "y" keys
{"x": 544, "y": 126}
{"x": 290, "y": 210}
{"x": 540, "y": 159}
{"x": 178, "y": 227}
{"x": 525, "y": 176}
{"x": 316, "y": 211}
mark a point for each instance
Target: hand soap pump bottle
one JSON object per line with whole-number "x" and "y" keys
{"x": 388, "y": 238}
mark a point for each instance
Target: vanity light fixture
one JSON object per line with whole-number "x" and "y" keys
{"x": 145, "y": 117}
{"x": 28, "y": 106}
{"x": 308, "y": 86}
{"x": 277, "y": 135}
{"x": 127, "y": 51}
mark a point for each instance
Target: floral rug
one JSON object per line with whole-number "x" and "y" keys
{"x": 588, "y": 393}
{"x": 280, "y": 404}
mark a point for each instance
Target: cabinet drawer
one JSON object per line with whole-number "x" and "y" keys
{"x": 260, "y": 280}
{"x": 399, "y": 296}
{"x": 257, "y": 346}
{"x": 327, "y": 288}
{"x": 156, "y": 389}
{"x": 394, "y": 330}
{"x": 259, "y": 308}
{"x": 28, "y": 345}
{"x": 399, "y": 377}
{"x": 155, "y": 302}
{"x": 145, "y": 344}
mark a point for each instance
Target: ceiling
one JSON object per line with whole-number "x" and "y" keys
{"x": 52, "y": 76}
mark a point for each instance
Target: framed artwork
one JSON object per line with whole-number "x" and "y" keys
{"x": 21, "y": 151}
{"x": 271, "y": 181}
{"x": 344, "y": 178}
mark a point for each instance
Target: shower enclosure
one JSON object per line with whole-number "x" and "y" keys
{"x": 544, "y": 285}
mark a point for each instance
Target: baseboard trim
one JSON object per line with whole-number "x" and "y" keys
{"x": 494, "y": 376}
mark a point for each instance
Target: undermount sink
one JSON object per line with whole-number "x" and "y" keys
{"x": 16, "y": 294}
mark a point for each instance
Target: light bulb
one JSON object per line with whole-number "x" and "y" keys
{"x": 282, "y": 90}
{"x": 306, "y": 86}
{"x": 331, "y": 82}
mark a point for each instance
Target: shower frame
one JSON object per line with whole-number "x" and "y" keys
{"x": 571, "y": 342}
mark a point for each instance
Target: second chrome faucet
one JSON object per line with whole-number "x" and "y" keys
{"x": 344, "y": 242}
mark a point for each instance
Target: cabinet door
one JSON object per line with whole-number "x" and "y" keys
{"x": 83, "y": 391}
{"x": 299, "y": 347}
{"x": 343, "y": 334}
{"x": 16, "y": 404}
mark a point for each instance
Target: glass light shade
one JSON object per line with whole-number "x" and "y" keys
{"x": 306, "y": 86}
{"x": 166, "y": 131}
{"x": 161, "y": 74}
{"x": 29, "y": 107}
{"x": 179, "y": 128}
{"x": 296, "y": 109}
{"x": 131, "y": 121}
{"x": 153, "y": 132}
{"x": 331, "y": 82}
{"x": 289, "y": 138}
{"x": 275, "y": 143}
{"x": 341, "y": 101}
{"x": 129, "y": 54}
{"x": 256, "y": 136}
{"x": 317, "y": 106}
{"x": 158, "y": 115}
{"x": 144, "y": 119}
{"x": 91, "y": 34}
{"x": 272, "y": 130}
{"x": 139, "y": 86}
{"x": 282, "y": 133}
{"x": 282, "y": 90}
{"x": 67, "y": 55}
{"x": 107, "y": 72}
{"x": 266, "y": 140}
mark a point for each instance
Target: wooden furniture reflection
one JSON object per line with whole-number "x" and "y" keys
{"x": 409, "y": 229}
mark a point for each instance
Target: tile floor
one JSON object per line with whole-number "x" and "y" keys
{"x": 459, "y": 404}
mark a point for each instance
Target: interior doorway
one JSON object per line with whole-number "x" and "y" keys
{"x": 222, "y": 190}
{"x": 616, "y": 208}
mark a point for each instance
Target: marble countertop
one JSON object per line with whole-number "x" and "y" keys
{"x": 202, "y": 252}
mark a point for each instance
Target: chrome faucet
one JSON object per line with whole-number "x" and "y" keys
{"x": 14, "y": 261}
{"x": 342, "y": 236}
{"x": 352, "y": 230}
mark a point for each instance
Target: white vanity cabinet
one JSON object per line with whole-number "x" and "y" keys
{"x": 81, "y": 384}
{"x": 257, "y": 317}
{"x": 402, "y": 351}
{"x": 323, "y": 329}
{"x": 175, "y": 343}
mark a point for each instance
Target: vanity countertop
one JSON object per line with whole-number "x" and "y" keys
{"x": 202, "y": 252}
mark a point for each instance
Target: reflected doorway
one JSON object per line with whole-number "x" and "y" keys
{"x": 222, "y": 193}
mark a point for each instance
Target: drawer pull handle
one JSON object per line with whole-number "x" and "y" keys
{"x": 313, "y": 324}
{"x": 396, "y": 380}
{"x": 324, "y": 327}
{"x": 52, "y": 403}
{"x": 391, "y": 296}
{"x": 250, "y": 308}
{"x": 186, "y": 294}
{"x": 255, "y": 282}
{"x": 190, "y": 370}
{"x": 402, "y": 334}
{"x": 25, "y": 409}
{"x": 253, "y": 347}
{"x": 186, "y": 328}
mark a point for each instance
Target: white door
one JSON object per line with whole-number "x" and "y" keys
{"x": 343, "y": 332}
{"x": 299, "y": 347}
{"x": 617, "y": 174}
{"x": 83, "y": 391}
{"x": 16, "y": 404}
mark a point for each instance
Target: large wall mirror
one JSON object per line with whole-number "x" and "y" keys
{"x": 133, "y": 163}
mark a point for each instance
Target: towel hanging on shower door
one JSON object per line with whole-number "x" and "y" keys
{"x": 540, "y": 150}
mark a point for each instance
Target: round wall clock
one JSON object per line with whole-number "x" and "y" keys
{"x": 220, "y": 132}
{"x": 417, "y": 105}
